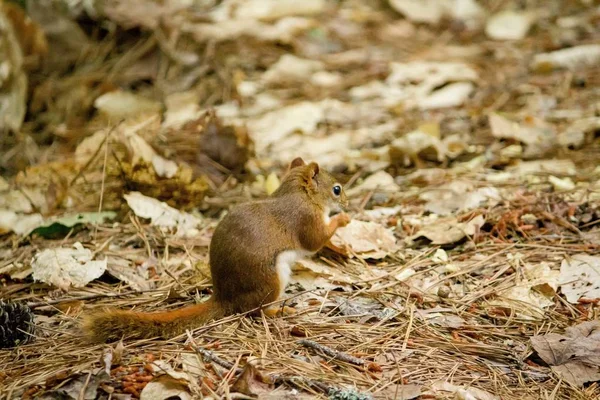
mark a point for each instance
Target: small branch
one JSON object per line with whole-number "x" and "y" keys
{"x": 290, "y": 380}
{"x": 210, "y": 356}
{"x": 331, "y": 352}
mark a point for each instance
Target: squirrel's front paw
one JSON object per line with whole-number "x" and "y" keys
{"x": 342, "y": 219}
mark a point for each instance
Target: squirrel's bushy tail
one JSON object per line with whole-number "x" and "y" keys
{"x": 111, "y": 324}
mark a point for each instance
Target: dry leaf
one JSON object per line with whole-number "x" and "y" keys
{"x": 266, "y": 9}
{"x": 118, "y": 104}
{"x": 458, "y": 196}
{"x": 274, "y": 126}
{"x": 21, "y": 224}
{"x": 539, "y": 137}
{"x": 424, "y": 85}
{"x": 140, "y": 13}
{"x": 309, "y": 280}
{"x": 461, "y": 392}
{"x": 320, "y": 268}
{"x": 448, "y": 230}
{"x": 165, "y": 387}
{"x": 530, "y": 296}
{"x": 561, "y": 185}
{"x": 127, "y": 271}
{"x": 251, "y": 382}
{"x": 399, "y": 392}
{"x": 282, "y": 31}
{"x": 380, "y": 180}
{"x": 162, "y": 215}
{"x": 432, "y": 11}
{"x": 509, "y": 25}
{"x": 81, "y": 386}
{"x": 367, "y": 240}
{"x": 66, "y": 267}
{"x": 580, "y": 277}
{"x": 575, "y": 356}
{"x": 574, "y": 135}
{"x": 572, "y": 58}
{"x": 290, "y": 68}
{"x": 553, "y": 166}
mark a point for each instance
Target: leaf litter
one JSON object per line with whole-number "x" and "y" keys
{"x": 466, "y": 133}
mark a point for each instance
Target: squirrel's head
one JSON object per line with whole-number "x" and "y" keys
{"x": 321, "y": 187}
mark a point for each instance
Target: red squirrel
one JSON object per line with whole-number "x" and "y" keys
{"x": 251, "y": 254}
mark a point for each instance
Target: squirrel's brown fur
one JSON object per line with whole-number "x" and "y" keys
{"x": 244, "y": 255}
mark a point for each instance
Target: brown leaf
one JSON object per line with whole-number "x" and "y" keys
{"x": 251, "y": 382}
{"x": 368, "y": 240}
{"x": 400, "y": 392}
{"x": 574, "y": 357}
{"x": 165, "y": 387}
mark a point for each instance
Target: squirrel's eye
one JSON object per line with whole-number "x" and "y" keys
{"x": 337, "y": 190}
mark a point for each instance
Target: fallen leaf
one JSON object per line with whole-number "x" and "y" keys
{"x": 266, "y": 9}
{"x": 62, "y": 225}
{"x": 380, "y": 180}
{"x": 251, "y": 382}
{"x": 181, "y": 108}
{"x": 561, "y": 185}
{"x": 509, "y": 25}
{"x": 538, "y": 137}
{"x": 290, "y": 68}
{"x": 399, "y": 392}
{"x": 451, "y": 95}
{"x": 309, "y": 280}
{"x": 193, "y": 365}
{"x": 574, "y": 135}
{"x": 162, "y": 215}
{"x": 127, "y": 271}
{"x": 532, "y": 294}
{"x": 580, "y": 277}
{"x": 409, "y": 147}
{"x": 282, "y": 31}
{"x": 552, "y": 166}
{"x": 66, "y": 267}
{"x": 82, "y": 386}
{"x": 448, "y": 230}
{"x": 140, "y": 13}
{"x": 432, "y": 11}
{"x": 165, "y": 387}
{"x": 440, "y": 256}
{"x": 363, "y": 307}
{"x": 119, "y": 104}
{"x": 461, "y": 392}
{"x": 320, "y": 268}
{"x": 575, "y": 356}
{"x": 420, "y": 84}
{"x": 572, "y": 58}
{"x": 367, "y": 240}
{"x": 21, "y": 224}
{"x": 458, "y": 195}
{"x": 275, "y": 125}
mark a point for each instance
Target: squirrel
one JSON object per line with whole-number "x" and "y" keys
{"x": 250, "y": 254}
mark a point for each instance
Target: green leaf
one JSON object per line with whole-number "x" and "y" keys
{"x": 63, "y": 225}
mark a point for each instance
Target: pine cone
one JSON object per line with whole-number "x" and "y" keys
{"x": 16, "y": 324}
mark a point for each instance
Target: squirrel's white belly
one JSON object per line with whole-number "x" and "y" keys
{"x": 283, "y": 264}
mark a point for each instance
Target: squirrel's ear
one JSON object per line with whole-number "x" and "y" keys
{"x": 297, "y": 162}
{"x": 313, "y": 169}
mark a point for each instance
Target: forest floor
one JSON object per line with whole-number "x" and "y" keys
{"x": 468, "y": 144}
